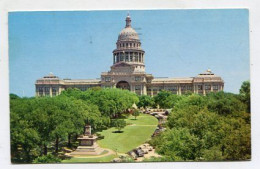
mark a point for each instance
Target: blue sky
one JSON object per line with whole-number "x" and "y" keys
{"x": 79, "y": 45}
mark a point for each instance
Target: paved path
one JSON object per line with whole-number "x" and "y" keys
{"x": 110, "y": 152}
{"x": 141, "y": 125}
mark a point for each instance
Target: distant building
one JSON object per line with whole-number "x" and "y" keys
{"x": 128, "y": 72}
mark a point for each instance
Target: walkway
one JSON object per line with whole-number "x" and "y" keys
{"x": 109, "y": 152}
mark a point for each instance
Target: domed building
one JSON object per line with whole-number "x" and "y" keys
{"x": 128, "y": 72}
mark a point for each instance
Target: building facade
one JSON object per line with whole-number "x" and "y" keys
{"x": 128, "y": 72}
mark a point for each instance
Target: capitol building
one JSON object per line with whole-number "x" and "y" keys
{"x": 128, "y": 72}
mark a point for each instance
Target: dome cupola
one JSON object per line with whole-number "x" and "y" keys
{"x": 128, "y": 33}
{"x": 128, "y": 46}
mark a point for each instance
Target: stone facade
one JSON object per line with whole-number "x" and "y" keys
{"x": 128, "y": 72}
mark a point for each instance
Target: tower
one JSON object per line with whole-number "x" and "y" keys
{"x": 128, "y": 69}
{"x": 128, "y": 47}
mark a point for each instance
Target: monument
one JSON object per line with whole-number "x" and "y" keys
{"x": 87, "y": 144}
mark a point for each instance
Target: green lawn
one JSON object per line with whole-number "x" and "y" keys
{"x": 90, "y": 160}
{"x": 132, "y": 136}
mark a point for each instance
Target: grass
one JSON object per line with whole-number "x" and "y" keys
{"x": 132, "y": 135}
{"x": 91, "y": 160}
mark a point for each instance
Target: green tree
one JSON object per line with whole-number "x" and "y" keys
{"x": 136, "y": 113}
{"x": 179, "y": 145}
{"x": 119, "y": 124}
{"x": 111, "y": 102}
{"x": 165, "y": 99}
{"x": 245, "y": 94}
{"x": 24, "y": 138}
{"x": 217, "y": 127}
{"x": 14, "y": 96}
{"x": 47, "y": 159}
{"x": 145, "y": 101}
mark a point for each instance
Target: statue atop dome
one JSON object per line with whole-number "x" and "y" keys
{"x": 128, "y": 21}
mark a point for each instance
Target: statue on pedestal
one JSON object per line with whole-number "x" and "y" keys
{"x": 87, "y": 144}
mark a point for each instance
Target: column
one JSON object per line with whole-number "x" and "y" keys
{"x": 114, "y": 59}
{"x": 179, "y": 90}
{"x": 128, "y": 54}
{"x": 145, "y": 90}
{"x": 50, "y": 91}
{"x": 43, "y": 91}
{"x": 131, "y": 87}
{"x": 59, "y": 90}
{"x": 204, "y": 92}
{"x": 211, "y": 87}
{"x": 151, "y": 91}
{"x": 194, "y": 89}
{"x": 36, "y": 91}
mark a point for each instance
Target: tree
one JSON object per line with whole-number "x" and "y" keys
{"x": 119, "y": 124}
{"x": 136, "y": 113}
{"x": 47, "y": 159}
{"x": 165, "y": 99}
{"x": 245, "y": 94}
{"x": 14, "y": 96}
{"x": 145, "y": 101}
{"x": 24, "y": 137}
{"x": 179, "y": 145}
{"x": 215, "y": 127}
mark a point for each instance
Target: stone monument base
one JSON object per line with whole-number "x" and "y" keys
{"x": 88, "y": 150}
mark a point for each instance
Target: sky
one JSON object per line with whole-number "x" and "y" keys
{"x": 79, "y": 44}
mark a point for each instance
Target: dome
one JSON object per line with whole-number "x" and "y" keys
{"x": 128, "y": 33}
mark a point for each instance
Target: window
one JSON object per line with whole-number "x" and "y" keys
{"x": 107, "y": 79}
{"x": 54, "y": 91}
{"x": 189, "y": 87}
{"x": 173, "y": 88}
{"x": 138, "y": 87}
{"x": 136, "y": 57}
{"x": 138, "y": 78}
{"x": 183, "y": 87}
{"x": 215, "y": 87}
{"x": 47, "y": 91}
{"x": 40, "y": 91}
{"x": 207, "y": 87}
{"x": 199, "y": 87}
